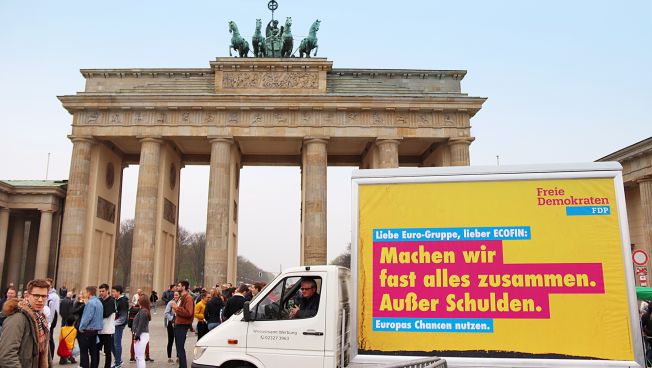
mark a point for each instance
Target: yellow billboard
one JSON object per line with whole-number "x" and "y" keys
{"x": 504, "y": 269}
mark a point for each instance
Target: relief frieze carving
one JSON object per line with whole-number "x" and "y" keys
{"x": 115, "y": 118}
{"x": 161, "y": 117}
{"x": 400, "y": 118}
{"x": 448, "y": 120}
{"x": 328, "y": 119}
{"x": 169, "y": 211}
{"x": 280, "y": 118}
{"x": 92, "y": 117}
{"x": 256, "y": 119}
{"x": 270, "y": 80}
{"x": 233, "y": 118}
{"x": 351, "y": 118}
{"x": 274, "y": 118}
{"x": 424, "y": 119}
{"x": 377, "y": 118}
{"x": 306, "y": 118}
{"x": 105, "y": 210}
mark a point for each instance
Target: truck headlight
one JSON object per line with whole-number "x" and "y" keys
{"x": 199, "y": 351}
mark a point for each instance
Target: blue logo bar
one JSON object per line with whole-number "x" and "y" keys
{"x": 472, "y": 325}
{"x": 453, "y": 233}
{"x": 588, "y": 211}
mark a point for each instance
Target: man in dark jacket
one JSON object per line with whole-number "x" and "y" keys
{"x": 236, "y": 302}
{"x": 11, "y": 293}
{"x": 63, "y": 291}
{"x": 65, "y": 307}
{"x": 168, "y": 295}
{"x": 309, "y": 301}
{"x": 121, "y": 319}
{"x": 24, "y": 341}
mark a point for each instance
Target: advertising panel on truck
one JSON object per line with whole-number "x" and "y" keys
{"x": 506, "y": 263}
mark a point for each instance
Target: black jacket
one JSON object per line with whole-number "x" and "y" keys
{"x": 122, "y": 312}
{"x": 167, "y": 296}
{"x": 77, "y": 311}
{"x": 233, "y": 305}
{"x": 65, "y": 308}
{"x": 212, "y": 311}
{"x": 308, "y": 307}
{"x": 108, "y": 305}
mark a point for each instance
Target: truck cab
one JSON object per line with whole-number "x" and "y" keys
{"x": 273, "y": 330}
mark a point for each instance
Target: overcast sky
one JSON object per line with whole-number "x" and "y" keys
{"x": 566, "y": 81}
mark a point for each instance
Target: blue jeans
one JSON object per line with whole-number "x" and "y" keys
{"x": 212, "y": 326}
{"x": 117, "y": 344}
{"x": 180, "y": 332}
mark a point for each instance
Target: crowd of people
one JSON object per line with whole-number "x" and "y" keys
{"x": 93, "y": 321}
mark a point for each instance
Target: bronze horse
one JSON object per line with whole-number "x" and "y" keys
{"x": 309, "y": 43}
{"x": 258, "y": 41}
{"x": 238, "y": 43}
{"x": 288, "y": 41}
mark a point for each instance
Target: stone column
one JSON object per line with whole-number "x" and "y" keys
{"x": 16, "y": 251}
{"x": 43, "y": 249}
{"x": 142, "y": 254}
{"x": 314, "y": 235}
{"x": 4, "y": 230}
{"x": 217, "y": 224}
{"x": 388, "y": 153}
{"x": 645, "y": 188}
{"x": 460, "y": 151}
{"x": 73, "y": 231}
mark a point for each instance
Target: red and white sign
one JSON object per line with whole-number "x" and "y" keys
{"x": 641, "y": 272}
{"x": 640, "y": 257}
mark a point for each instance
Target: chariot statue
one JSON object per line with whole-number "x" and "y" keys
{"x": 277, "y": 41}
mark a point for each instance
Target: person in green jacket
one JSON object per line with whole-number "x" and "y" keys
{"x": 25, "y": 337}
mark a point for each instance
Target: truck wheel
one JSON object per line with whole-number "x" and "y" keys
{"x": 239, "y": 364}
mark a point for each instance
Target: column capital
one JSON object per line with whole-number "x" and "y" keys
{"x": 645, "y": 179}
{"x": 153, "y": 138}
{"x": 81, "y": 138}
{"x": 4, "y": 209}
{"x": 461, "y": 140}
{"x": 220, "y": 138}
{"x": 311, "y": 139}
{"x": 383, "y": 140}
{"x": 48, "y": 211}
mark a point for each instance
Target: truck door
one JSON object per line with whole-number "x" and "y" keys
{"x": 288, "y": 329}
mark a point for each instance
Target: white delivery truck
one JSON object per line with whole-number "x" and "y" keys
{"x": 265, "y": 336}
{"x": 525, "y": 266}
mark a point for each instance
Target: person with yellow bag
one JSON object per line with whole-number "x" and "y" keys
{"x": 67, "y": 341}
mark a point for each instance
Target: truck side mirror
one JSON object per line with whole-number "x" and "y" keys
{"x": 246, "y": 313}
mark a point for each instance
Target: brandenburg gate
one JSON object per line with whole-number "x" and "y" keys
{"x": 240, "y": 111}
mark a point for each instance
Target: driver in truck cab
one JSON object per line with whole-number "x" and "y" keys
{"x": 309, "y": 301}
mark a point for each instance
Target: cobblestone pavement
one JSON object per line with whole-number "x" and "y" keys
{"x": 157, "y": 346}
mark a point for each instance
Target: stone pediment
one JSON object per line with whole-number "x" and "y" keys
{"x": 270, "y": 75}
